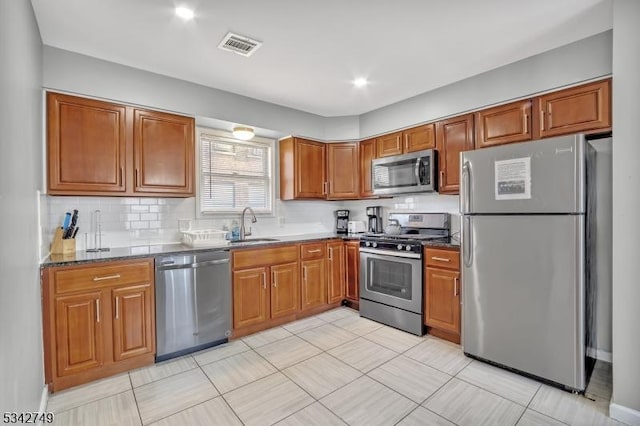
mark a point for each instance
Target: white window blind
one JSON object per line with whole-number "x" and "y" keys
{"x": 234, "y": 174}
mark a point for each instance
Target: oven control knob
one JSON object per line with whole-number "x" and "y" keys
{"x": 374, "y": 245}
{"x": 367, "y": 244}
{"x": 400, "y": 246}
{"x": 408, "y": 247}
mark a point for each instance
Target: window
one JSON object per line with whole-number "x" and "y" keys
{"x": 234, "y": 174}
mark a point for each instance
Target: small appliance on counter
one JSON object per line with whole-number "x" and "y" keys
{"x": 356, "y": 227}
{"x": 374, "y": 214}
{"x": 342, "y": 221}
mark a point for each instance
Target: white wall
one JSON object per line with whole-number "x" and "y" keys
{"x": 626, "y": 205}
{"x": 76, "y": 73}
{"x": 21, "y": 366}
{"x": 585, "y": 59}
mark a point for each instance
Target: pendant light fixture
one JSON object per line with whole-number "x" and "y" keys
{"x": 243, "y": 133}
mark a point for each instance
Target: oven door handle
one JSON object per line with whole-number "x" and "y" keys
{"x": 407, "y": 255}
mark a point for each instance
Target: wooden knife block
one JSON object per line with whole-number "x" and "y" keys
{"x": 60, "y": 246}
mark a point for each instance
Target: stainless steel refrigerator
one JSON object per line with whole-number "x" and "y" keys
{"x": 528, "y": 212}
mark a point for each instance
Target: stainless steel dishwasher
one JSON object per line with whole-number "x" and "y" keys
{"x": 193, "y": 302}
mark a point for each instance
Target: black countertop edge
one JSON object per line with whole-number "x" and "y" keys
{"x": 154, "y": 250}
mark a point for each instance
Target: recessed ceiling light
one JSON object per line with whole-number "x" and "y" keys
{"x": 360, "y": 82}
{"x": 184, "y": 12}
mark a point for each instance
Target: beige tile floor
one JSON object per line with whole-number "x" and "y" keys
{"x": 331, "y": 369}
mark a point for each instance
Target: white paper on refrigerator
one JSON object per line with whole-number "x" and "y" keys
{"x": 513, "y": 179}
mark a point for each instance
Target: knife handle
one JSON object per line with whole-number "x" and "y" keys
{"x": 67, "y": 221}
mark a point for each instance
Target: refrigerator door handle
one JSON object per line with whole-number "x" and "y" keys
{"x": 467, "y": 241}
{"x": 466, "y": 186}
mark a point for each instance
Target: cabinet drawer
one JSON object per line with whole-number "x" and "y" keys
{"x": 312, "y": 251}
{"x": 267, "y": 256}
{"x": 76, "y": 278}
{"x": 449, "y": 259}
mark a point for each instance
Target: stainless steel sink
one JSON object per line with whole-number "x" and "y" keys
{"x": 254, "y": 240}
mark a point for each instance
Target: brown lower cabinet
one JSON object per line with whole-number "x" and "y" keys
{"x": 352, "y": 273}
{"x": 276, "y": 285}
{"x": 442, "y": 293}
{"x": 335, "y": 271}
{"x": 313, "y": 285}
{"x": 98, "y": 320}
{"x": 265, "y": 285}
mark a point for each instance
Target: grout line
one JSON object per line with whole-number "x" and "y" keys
{"x": 183, "y": 409}
{"x": 135, "y": 398}
{"x": 220, "y": 359}
{"x": 162, "y": 378}
{"x": 494, "y": 393}
{"x": 89, "y": 402}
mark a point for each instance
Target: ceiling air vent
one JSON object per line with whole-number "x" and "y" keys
{"x": 239, "y": 44}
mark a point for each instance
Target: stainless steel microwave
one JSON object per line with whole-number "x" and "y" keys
{"x": 406, "y": 173}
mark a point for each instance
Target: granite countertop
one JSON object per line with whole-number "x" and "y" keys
{"x": 448, "y": 242}
{"x": 123, "y": 253}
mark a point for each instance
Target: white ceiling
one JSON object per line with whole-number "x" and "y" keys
{"x": 314, "y": 49}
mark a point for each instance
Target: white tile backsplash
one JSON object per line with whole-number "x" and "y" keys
{"x": 141, "y": 221}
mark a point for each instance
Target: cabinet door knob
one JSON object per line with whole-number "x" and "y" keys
{"x": 97, "y": 310}
{"x": 117, "y": 307}
{"x": 264, "y": 280}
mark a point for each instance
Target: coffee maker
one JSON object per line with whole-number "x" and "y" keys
{"x": 374, "y": 224}
{"x": 342, "y": 221}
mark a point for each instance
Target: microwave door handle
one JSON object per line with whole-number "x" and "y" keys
{"x": 416, "y": 170}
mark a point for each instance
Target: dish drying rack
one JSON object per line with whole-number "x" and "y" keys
{"x": 200, "y": 237}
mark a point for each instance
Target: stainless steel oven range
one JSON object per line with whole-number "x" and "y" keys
{"x": 391, "y": 270}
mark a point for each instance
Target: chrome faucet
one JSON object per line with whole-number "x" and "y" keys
{"x": 243, "y": 233}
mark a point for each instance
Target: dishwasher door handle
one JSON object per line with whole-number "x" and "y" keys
{"x": 193, "y": 265}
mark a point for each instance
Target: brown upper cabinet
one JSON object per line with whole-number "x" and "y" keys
{"x": 577, "y": 109}
{"x": 302, "y": 169}
{"x": 343, "y": 171}
{"x": 86, "y": 146}
{"x": 453, "y": 136}
{"x": 504, "y": 124}
{"x": 411, "y": 140}
{"x": 163, "y": 153}
{"x": 367, "y": 155}
{"x": 102, "y": 148}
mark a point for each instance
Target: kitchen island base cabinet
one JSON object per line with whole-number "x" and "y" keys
{"x": 442, "y": 293}
{"x": 98, "y": 320}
